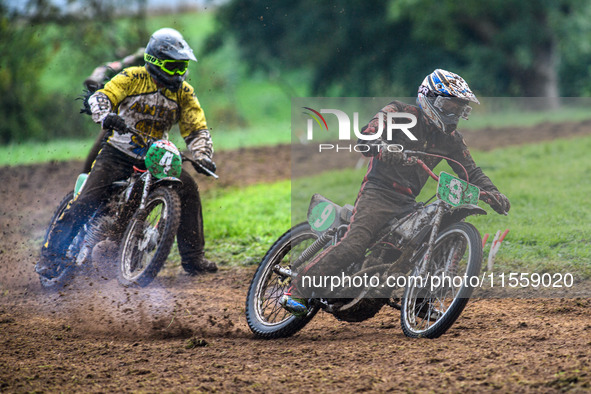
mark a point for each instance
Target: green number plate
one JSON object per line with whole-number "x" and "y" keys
{"x": 456, "y": 191}
{"x": 322, "y": 216}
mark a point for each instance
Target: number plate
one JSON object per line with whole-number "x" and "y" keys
{"x": 455, "y": 191}
{"x": 322, "y": 216}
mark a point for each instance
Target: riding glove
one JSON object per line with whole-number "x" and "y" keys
{"x": 391, "y": 156}
{"x": 497, "y": 201}
{"x": 115, "y": 122}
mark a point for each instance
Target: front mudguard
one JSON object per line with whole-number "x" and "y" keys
{"x": 459, "y": 213}
{"x": 168, "y": 181}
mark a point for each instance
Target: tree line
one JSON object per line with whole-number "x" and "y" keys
{"x": 35, "y": 34}
{"x": 535, "y": 48}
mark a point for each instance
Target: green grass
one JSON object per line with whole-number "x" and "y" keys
{"x": 508, "y": 114}
{"x": 548, "y": 185}
{"x": 241, "y": 224}
{"x": 35, "y": 152}
{"x": 77, "y": 149}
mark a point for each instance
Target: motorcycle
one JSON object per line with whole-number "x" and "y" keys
{"x": 141, "y": 215}
{"x": 432, "y": 243}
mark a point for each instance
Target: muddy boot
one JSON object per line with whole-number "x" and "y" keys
{"x": 294, "y": 305}
{"x": 200, "y": 266}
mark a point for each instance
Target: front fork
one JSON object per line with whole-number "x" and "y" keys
{"x": 147, "y": 179}
{"x": 426, "y": 260}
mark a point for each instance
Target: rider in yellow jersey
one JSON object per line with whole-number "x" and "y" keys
{"x": 151, "y": 98}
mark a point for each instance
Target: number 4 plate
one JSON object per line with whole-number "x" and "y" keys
{"x": 455, "y": 191}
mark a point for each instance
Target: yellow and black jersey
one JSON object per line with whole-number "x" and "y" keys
{"x": 134, "y": 95}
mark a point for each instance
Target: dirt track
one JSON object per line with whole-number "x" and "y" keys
{"x": 187, "y": 334}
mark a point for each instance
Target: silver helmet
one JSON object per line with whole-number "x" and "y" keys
{"x": 167, "y": 58}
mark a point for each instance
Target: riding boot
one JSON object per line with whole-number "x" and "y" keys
{"x": 190, "y": 237}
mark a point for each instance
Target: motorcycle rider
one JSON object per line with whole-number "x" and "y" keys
{"x": 150, "y": 98}
{"x": 390, "y": 186}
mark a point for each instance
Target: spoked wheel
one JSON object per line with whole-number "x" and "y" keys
{"x": 430, "y": 308}
{"x": 149, "y": 237}
{"x": 64, "y": 272}
{"x": 265, "y": 316}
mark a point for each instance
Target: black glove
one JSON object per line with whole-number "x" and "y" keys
{"x": 204, "y": 162}
{"x": 114, "y": 122}
{"x": 497, "y": 201}
{"x": 392, "y": 155}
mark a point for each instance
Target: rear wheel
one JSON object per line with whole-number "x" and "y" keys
{"x": 265, "y": 316}
{"x": 430, "y": 308}
{"x": 149, "y": 237}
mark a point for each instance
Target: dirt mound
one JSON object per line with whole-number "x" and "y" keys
{"x": 189, "y": 333}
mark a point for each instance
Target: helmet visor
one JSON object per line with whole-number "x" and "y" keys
{"x": 169, "y": 66}
{"x": 453, "y": 107}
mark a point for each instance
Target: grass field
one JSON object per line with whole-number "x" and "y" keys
{"x": 241, "y": 224}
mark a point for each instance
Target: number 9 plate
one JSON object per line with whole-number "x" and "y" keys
{"x": 455, "y": 191}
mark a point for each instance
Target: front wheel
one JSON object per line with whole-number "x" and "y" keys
{"x": 265, "y": 316}
{"x": 149, "y": 237}
{"x": 434, "y": 300}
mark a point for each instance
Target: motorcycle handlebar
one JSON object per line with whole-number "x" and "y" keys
{"x": 196, "y": 163}
{"x": 143, "y": 136}
{"x": 410, "y": 157}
